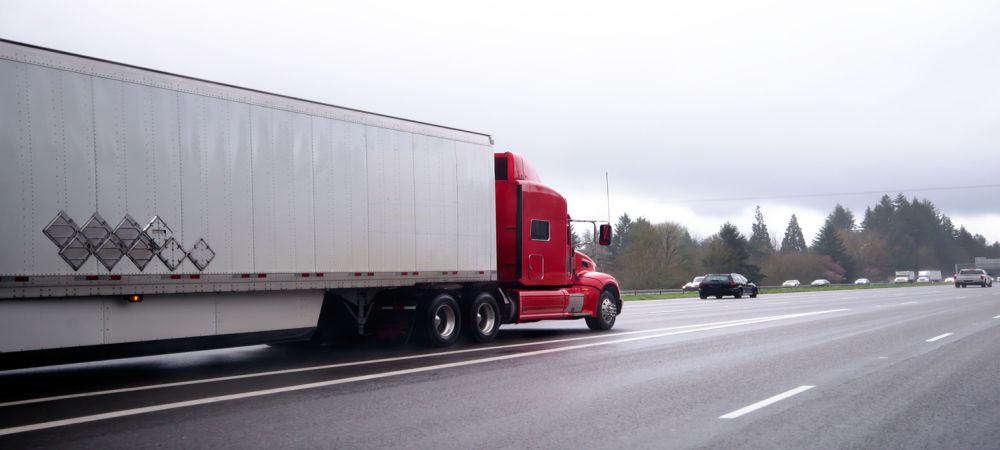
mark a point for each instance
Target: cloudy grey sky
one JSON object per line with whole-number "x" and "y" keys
{"x": 677, "y": 101}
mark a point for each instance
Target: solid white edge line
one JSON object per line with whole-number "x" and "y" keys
{"x": 996, "y": 317}
{"x": 938, "y": 337}
{"x": 777, "y": 398}
{"x": 362, "y": 363}
{"x": 337, "y": 381}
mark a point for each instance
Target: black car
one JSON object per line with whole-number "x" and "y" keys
{"x": 726, "y": 284}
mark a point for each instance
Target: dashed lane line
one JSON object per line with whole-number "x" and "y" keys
{"x": 766, "y": 402}
{"x": 939, "y": 337}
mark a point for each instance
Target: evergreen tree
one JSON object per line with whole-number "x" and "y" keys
{"x": 727, "y": 253}
{"x": 829, "y": 243}
{"x": 760, "y": 240}
{"x": 794, "y": 241}
{"x": 842, "y": 218}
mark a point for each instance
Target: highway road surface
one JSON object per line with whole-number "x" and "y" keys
{"x": 883, "y": 368}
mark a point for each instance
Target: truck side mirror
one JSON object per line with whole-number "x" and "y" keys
{"x": 604, "y": 235}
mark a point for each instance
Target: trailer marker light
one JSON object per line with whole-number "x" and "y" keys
{"x": 195, "y": 277}
{"x": 319, "y": 275}
{"x": 261, "y": 275}
{"x": 244, "y": 275}
{"x": 175, "y": 277}
{"x": 92, "y": 277}
{"x": 116, "y": 277}
{"x": 371, "y": 274}
{"x": 416, "y": 273}
{"x": 357, "y": 274}
{"x": 135, "y": 298}
{"x": 20, "y": 279}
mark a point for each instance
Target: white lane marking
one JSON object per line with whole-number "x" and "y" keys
{"x": 374, "y": 376}
{"x": 909, "y": 303}
{"x": 664, "y": 311}
{"x": 846, "y": 298}
{"x": 996, "y": 317}
{"x": 935, "y": 338}
{"x": 961, "y": 298}
{"x": 775, "y": 303}
{"x": 370, "y": 362}
{"x": 765, "y": 402}
{"x": 883, "y": 357}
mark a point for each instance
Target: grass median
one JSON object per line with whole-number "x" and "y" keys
{"x": 778, "y": 290}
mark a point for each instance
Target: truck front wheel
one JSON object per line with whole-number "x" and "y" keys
{"x": 607, "y": 312}
{"x": 439, "y": 323}
{"x": 482, "y": 318}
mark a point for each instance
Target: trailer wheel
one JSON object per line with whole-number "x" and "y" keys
{"x": 482, "y": 318}
{"x": 607, "y": 312}
{"x": 440, "y": 322}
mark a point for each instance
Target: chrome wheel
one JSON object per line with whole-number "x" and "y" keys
{"x": 445, "y": 321}
{"x": 608, "y": 310}
{"x": 486, "y": 318}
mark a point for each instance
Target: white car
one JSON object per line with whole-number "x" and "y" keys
{"x": 923, "y": 280}
{"x": 952, "y": 279}
{"x": 863, "y": 281}
{"x": 693, "y": 284}
{"x": 900, "y": 280}
{"x": 791, "y": 283}
{"x": 821, "y": 282}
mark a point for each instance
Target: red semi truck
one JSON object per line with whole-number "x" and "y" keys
{"x": 148, "y": 212}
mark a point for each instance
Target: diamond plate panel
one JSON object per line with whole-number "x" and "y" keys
{"x": 201, "y": 254}
{"x": 158, "y": 232}
{"x": 110, "y": 252}
{"x": 61, "y": 229}
{"x": 171, "y": 254}
{"x": 75, "y": 252}
{"x": 95, "y": 231}
{"x": 128, "y": 231}
{"x": 142, "y": 252}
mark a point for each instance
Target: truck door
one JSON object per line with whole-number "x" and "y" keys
{"x": 544, "y": 246}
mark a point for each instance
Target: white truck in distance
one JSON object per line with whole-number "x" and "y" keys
{"x": 904, "y": 276}
{"x": 933, "y": 276}
{"x": 977, "y": 277}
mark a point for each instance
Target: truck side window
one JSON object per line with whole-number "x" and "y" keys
{"x": 539, "y": 230}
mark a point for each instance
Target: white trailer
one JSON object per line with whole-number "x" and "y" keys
{"x": 228, "y": 212}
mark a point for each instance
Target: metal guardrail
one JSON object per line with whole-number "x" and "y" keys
{"x": 676, "y": 291}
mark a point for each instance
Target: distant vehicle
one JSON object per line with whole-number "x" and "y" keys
{"x": 923, "y": 280}
{"x": 726, "y": 284}
{"x": 862, "y": 281}
{"x": 693, "y": 284}
{"x": 821, "y": 282}
{"x": 791, "y": 283}
{"x": 965, "y": 277}
{"x": 952, "y": 279}
{"x": 933, "y": 276}
{"x": 901, "y": 280}
{"x": 908, "y": 274}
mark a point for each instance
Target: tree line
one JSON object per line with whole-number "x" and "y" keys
{"x": 894, "y": 234}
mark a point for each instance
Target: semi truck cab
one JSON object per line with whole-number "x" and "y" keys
{"x": 539, "y": 271}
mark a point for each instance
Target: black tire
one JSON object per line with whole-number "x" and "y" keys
{"x": 738, "y": 293}
{"x": 607, "y": 312}
{"x": 482, "y": 318}
{"x": 446, "y": 330}
{"x": 956, "y": 285}
{"x": 718, "y": 296}
{"x": 754, "y": 293}
{"x": 702, "y": 296}
{"x": 965, "y": 285}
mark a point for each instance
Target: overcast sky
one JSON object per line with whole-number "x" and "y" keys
{"x": 677, "y": 101}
